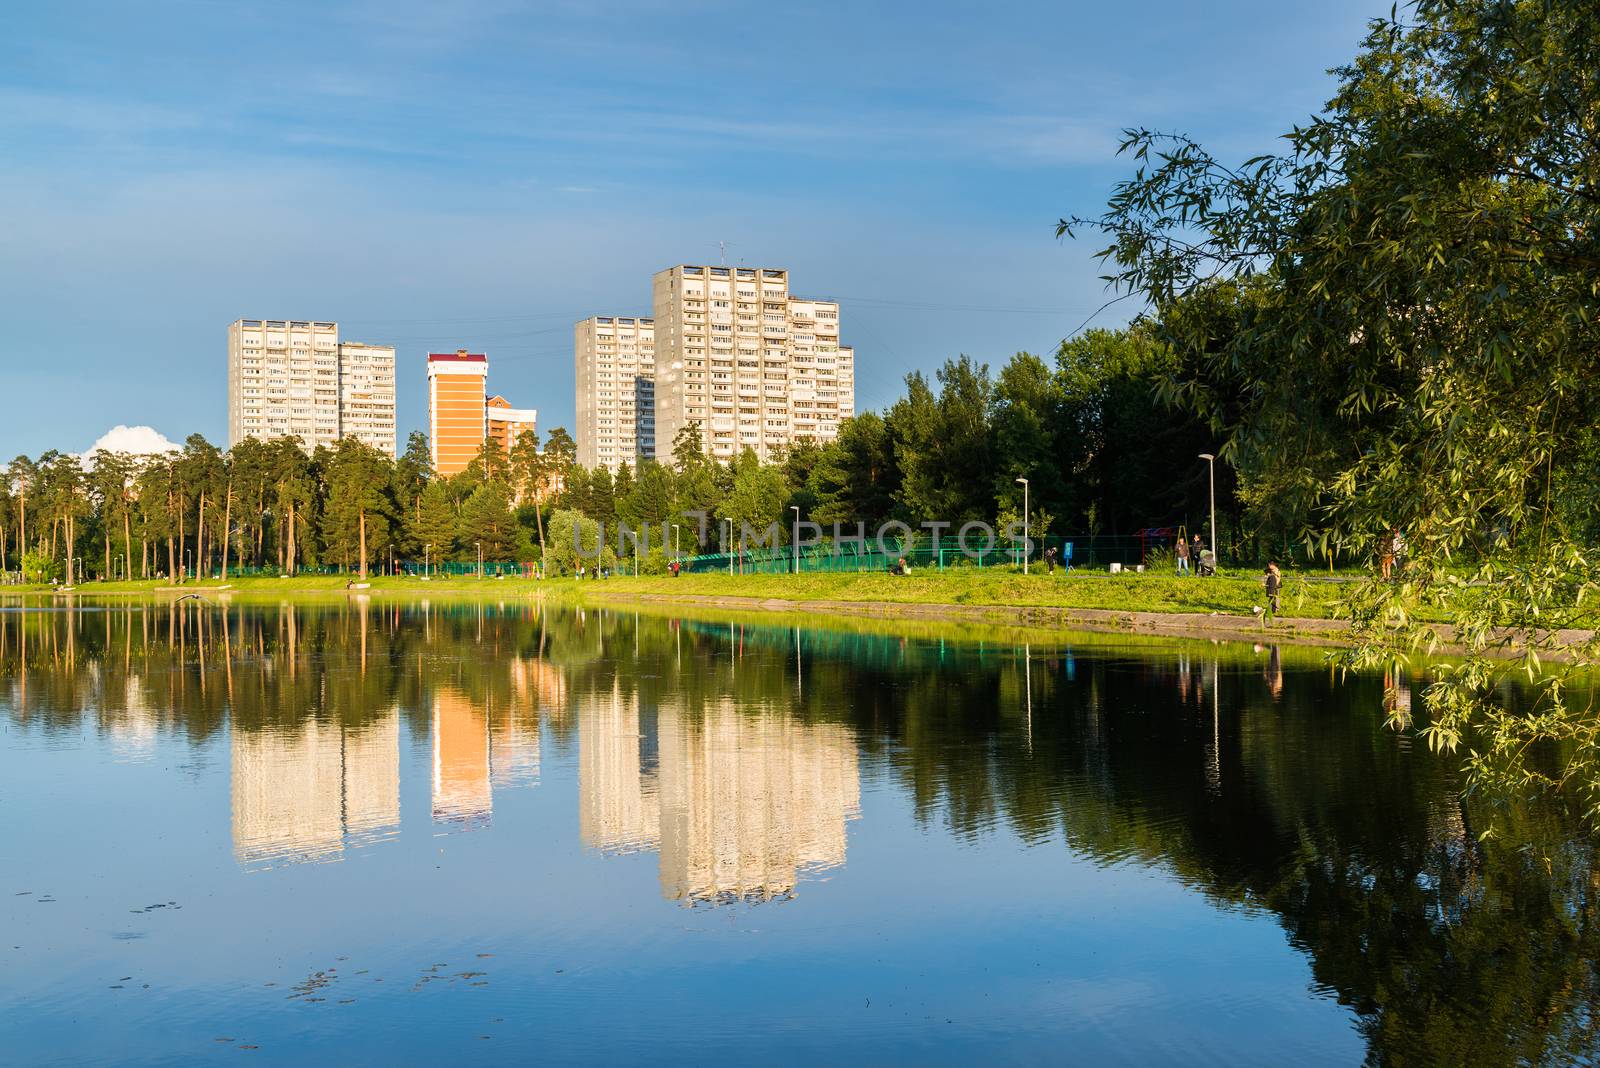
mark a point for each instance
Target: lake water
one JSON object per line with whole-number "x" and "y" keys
{"x": 459, "y": 833}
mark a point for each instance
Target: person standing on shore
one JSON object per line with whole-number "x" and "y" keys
{"x": 1181, "y": 551}
{"x": 1273, "y": 581}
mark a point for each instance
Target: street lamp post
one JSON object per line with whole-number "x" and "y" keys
{"x": 1211, "y": 471}
{"x": 479, "y": 545}
{"x": 427, "y": 551}
{"x": 1027, "y": 543}
{"x": 795, "y": 508}
{"x": 677, "y": 550}
{"x": 728, "y": 545}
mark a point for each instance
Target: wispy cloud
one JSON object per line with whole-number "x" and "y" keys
{"x": 91, "y": 114}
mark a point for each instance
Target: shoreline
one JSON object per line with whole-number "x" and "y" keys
{"x": 1214, "y": 625}
{"x": 1014, "y": 606}
{"x": 1327, "y": 633}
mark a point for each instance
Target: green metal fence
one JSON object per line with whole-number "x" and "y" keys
{"x": 924, "y": 553}
{"x": 466, "y": 568}
{"x": 941, "y": 554}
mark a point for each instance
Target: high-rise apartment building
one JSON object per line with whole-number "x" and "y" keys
{"x": 461, "y": 415}
{"x": 366, "y": 394}
{"x": 291, "y": 377}
{"x": 506, "y": 424}
{"x": 754, "y": 366}
{"x": 615, "y": 361}
{"x": 457, "y": 408}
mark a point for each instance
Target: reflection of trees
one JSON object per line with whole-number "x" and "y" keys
{"x": 1298, "y": 802}
{"x": 1262, "y": 786}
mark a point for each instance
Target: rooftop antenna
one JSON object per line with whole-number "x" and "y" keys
{"x": 722, "y": 252}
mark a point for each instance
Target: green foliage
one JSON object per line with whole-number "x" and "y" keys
{"x": 487, "y": 525}
{"x": 1127, "y": 451}
{"x": 650, "y": 499}
{"x": 758, "y": 498}
{"x": 435, "y": 526}
{"x": 570, "y": 530}
{"x": 359, "y": 508}
{"x": 37, "y": 567}
{"x": 1392, "y": 325}
{"x": 855, "y": 478}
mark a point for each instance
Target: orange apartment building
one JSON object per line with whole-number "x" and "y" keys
{"x": 461, "y": 416}
{"x": 456, "y": 408}
{"x": 506, "y": 424}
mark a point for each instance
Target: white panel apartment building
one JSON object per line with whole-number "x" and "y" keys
{"x": 615, "y": 359}
{"x": 754, "y": 366}
{"x": 290, "y": 377}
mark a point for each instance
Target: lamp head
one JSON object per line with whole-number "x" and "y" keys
{"x": 1206, "y": 456}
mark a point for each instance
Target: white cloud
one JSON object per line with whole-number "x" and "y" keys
{"x": 138, "y": 440}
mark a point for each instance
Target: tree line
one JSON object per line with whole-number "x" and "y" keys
{"x": 1103, "y": 453}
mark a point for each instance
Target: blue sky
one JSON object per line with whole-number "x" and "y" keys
{"x": 481, "y": 175}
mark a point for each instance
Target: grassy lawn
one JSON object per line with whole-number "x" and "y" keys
{"x": 1233, "y": 593}
{"x": 1230, "y": 592}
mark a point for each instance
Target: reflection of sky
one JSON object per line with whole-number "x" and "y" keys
{"x": 922, "y": 945}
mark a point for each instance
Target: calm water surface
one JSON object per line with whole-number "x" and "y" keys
{"x": 364, "y": 833}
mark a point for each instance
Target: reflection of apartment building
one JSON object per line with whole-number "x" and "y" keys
{"x": 754, "y": 366}
{"x": 133, "y": 727}
{"x": 740, "y": 804}
{"x": 372, "y": 781}
{"x": 615, "y": 360}
{"x": 618, "y": 810}
{"x": 304, "y": 793}
{"x": 540, "y": 686}
{"x": 461, "y": 787}
{"x": 288, "y": 377}
{"x": 514, "y": 747}
{"x": 749, "y": 801}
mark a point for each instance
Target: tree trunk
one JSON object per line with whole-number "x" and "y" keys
{"x": 538, "y": 519}
{"x": 227, "y": 529}
{"x": 199, "y": 535}
{"x": 70, "y": 539}
{"x": 127, "y": 544}
{"x": 107, "y": 531}
{"x": 363, "y": 525}
{"x": 290, "y": 568}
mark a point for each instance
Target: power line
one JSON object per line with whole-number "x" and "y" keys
{"x": 1096, "y": 312}
{"x": 448, "y": 322}
{"x": 941, "y": 306}
{"x": 474, "y": 337}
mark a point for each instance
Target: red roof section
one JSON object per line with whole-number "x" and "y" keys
{"x": 474, "y": 357}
